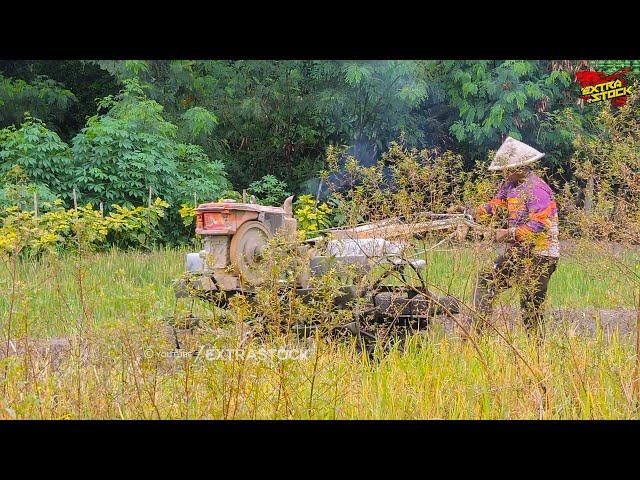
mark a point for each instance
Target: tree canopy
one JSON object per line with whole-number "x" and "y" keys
{"x": 206, "y": 126}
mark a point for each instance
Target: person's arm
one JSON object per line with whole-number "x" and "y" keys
{"x": 497, "y": 202}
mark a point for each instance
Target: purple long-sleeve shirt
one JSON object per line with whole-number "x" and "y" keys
{"x": 533, "y": 213}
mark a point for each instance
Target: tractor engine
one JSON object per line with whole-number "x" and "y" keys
{"x": 234, "y": 236}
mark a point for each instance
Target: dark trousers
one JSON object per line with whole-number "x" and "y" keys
{"x": 516, "y": 267}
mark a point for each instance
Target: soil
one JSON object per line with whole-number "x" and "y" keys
{"x": 576, "y": 321}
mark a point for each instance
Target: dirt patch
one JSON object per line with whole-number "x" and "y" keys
{"x": 578, "y": 321}
{"x": 50, "y": 350}
{"x": 587, "y": 321}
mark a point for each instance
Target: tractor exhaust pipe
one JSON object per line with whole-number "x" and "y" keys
{"x": 287, "y": 206}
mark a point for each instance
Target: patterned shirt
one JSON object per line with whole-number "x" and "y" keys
{"x": 533, "y": 214}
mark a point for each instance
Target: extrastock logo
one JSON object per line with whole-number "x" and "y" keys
{"x": 598, "y": 86}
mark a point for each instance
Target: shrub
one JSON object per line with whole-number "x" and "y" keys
{"x": 402, "y": 183}
{"x": 311, "y": 216}
{"x": 16, "y": 190}
{"x": 60, "y": 229}
{"x": 42, "y": 156}
{"x": 603, "y": 203}
{"x": 132, "y": 148}
{"x": 198, "y": 175}
{"x": 119, "y": 155}
{"x": 269, "y": 190}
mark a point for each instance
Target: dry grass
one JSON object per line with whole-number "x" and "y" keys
{"x": 114, "y": 361}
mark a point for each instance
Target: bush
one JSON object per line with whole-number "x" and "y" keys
{"x": 197, "y": 174}
{"x": 119, "y": 155}
{"x": 269, "y": 190}
{"x": 42, "y": 97}
{"x": 60, "y": 229}
{"x": 602, "y": 204}
{"x": 402, "y": 183}
{"x": 132, "y": 148}
{"x": 42, "y": 156}
{"x": 311, "y": 216}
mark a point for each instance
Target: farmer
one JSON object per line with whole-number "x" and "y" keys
{"x": 532, "y": 247}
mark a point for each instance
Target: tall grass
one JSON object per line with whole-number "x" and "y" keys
{"x": 117, "y": 364}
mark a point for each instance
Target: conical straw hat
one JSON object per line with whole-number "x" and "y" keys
{"x": 513, "y": 153}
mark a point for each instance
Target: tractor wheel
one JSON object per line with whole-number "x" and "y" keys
{"x": 246, "y": 249}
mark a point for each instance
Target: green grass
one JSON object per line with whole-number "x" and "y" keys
{"x": 117, "y": 285}
{"x": 580, "y": 280}
{"x": 123, "y": 285}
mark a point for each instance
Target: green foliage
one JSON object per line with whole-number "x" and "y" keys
{"x": 42, "y": 98}
{"x": 268, "y": 121}
{"x": 187, "y": 214}
{"x": 116, "y": 162}
{"x": 610, "y": 66}
{"x": 279, "y": 116}
{"x": 369, "y": 102}
{"x": 269, "y": 190}
{"x": 311, "y": 216}
{"x": 199, "y": 122}
{"x": 606, "y": 164}
{"x": 178, "y": 125}
{"x": 199, "y": 175}
{"x": 177, "y": 86}
{"x": 39, "y": 152}
{"x": 60, "y": 229}
{"x": 499, "y": 98}
{"x": 77, "y": 85}
{"x": 15, "y": 190}
{"x": 230, "y": 195}
{"x": 403, "y": 183}
{"x": 137, "y": 226}
{"x": 132, "y": 148}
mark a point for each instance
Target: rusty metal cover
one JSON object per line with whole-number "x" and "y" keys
{"x": 224, "y": 218}
{"x": 234, "y": 206}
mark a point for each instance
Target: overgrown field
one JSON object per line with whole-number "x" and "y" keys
{"x": 112, "y": 354}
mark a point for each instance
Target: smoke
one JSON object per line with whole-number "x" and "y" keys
{"x": 367, "y": 155}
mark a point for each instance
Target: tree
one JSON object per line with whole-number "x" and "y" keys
{"x": 199, "y": 175}
{"x": 123, "y": 153}
{"x": 277, "y": 117}
{"x": 369, "y": 104}
{"x": 494, "y": 99}
{"x": 42, "y": 156}
{"x": 269, "y": 190}
{"x": 41, "y": 98}
{"x": 17, "y": 191}
{"x": 76, "y": 84}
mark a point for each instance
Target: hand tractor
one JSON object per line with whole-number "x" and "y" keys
{"x": 235, "y": 238}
